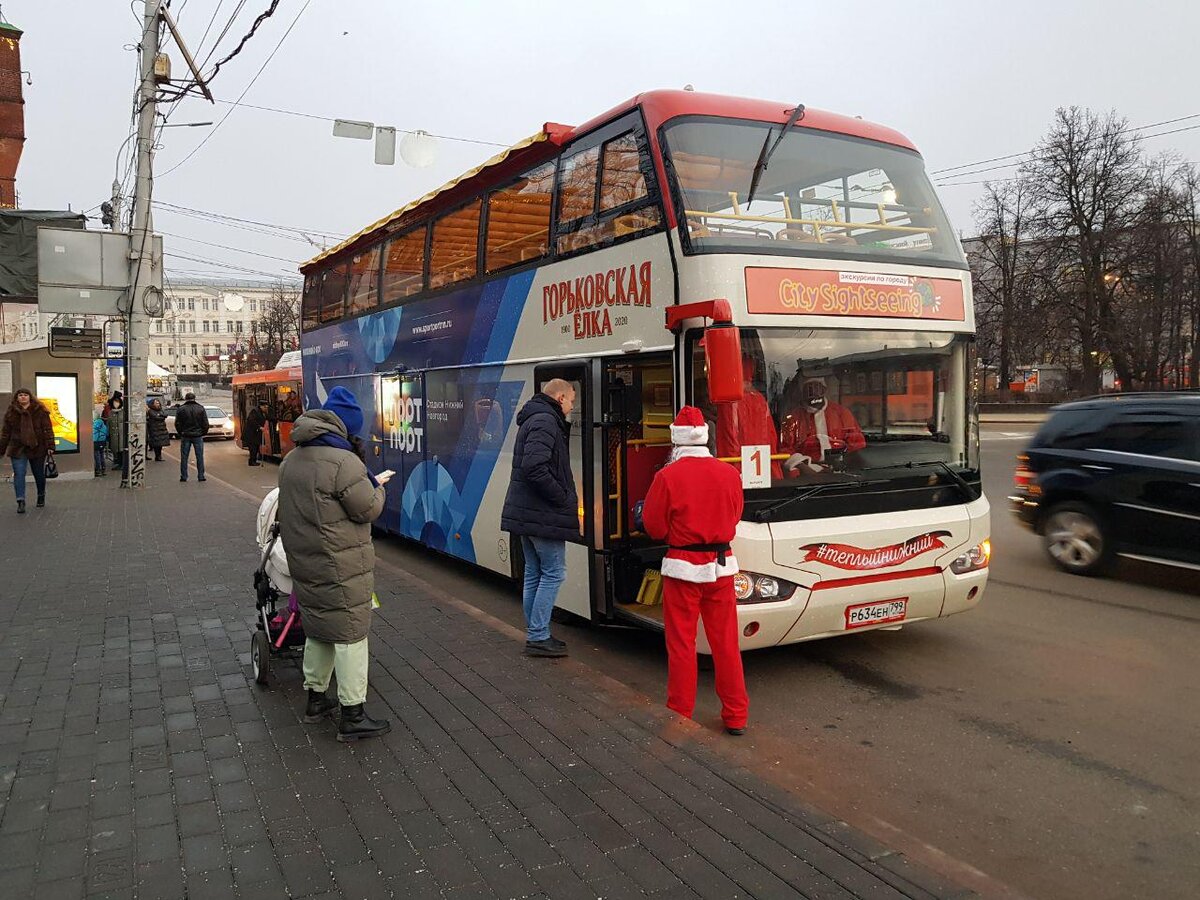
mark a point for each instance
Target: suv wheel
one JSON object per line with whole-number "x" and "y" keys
{"x": 1075, "y": 538}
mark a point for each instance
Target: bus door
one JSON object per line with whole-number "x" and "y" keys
{"x": 575, "y": 596}
{"x": 401, "y": 440}
{"x": 638, "y": 407}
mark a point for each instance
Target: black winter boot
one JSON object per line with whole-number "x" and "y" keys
{"x": 319, "y": 706}
{"x": 20, "y": 507}
{"x": 41, "y": 501}
{"x": 356, "y": 724}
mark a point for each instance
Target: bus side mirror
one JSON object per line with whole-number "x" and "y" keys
{"x": 723, "y": 359}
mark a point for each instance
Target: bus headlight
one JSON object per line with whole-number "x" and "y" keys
{"x": 977, "y": 557}
{"x": 750, "y": 587}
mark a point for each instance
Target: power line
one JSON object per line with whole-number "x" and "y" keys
{"x": 181, "y": 237}
{"x": 320, "y": 118}
{"x": 981, "y": 162}
{"x": 246, "y": 90}
{"x": 212, "y": 19}
{"x": 220, "y": 216}
{"x": 262, "y": 17}
{"x": 220, "y": 265}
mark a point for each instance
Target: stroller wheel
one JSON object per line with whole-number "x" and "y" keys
{"x": 260, "y": 656}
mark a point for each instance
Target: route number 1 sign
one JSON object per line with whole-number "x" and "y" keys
{"x": 756, "y": 466}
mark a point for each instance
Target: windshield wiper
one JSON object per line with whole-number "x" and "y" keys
{"x": 764, "y": 515}
{"x": 764, "y": 155}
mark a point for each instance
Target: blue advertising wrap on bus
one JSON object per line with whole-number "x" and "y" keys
{"x": 442, "y": 433}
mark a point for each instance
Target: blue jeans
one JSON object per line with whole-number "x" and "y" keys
{"x": 20, "y": 467}
{"x": 185, "y": 447}
{"x": 545, "y": 571}
{"x": 98, "y": 456}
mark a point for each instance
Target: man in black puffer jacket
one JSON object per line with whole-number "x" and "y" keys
{"x": 542, "y": 508}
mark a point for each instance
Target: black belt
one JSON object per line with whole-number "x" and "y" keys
{"x": 719, "y": 549}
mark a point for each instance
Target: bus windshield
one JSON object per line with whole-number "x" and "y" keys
{"x": 822, "y": 194}
{"x": 838, "y": 405}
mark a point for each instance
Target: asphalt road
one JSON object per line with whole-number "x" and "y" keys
{"x": 1046, "y": 744}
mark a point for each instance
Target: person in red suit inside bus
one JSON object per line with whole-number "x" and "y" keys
{"x": 694, "y": 504}
{"x": 747, "y": 422}
{"x": 818, "y": 428}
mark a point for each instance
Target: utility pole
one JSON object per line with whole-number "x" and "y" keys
{"x": 141, "y": 257}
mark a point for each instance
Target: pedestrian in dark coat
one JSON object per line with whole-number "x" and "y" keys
{"x": 156, "y": 429}
{"x": 116, "y": 430}
{"x": 252, "y": 434}
{"x": 542, "y": 508}
{"x": 27, "y": 438}
{"x": 327, "y": 502}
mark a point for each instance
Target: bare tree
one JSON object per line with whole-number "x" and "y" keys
{"x": 1001, "y": 261}
{"x": 277, "y": 329}
{"x": 1086, "y": 179}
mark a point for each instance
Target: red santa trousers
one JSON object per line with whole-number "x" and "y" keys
{"x": 715, "y": 603}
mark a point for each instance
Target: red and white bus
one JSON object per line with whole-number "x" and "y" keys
{"x": 281, "y": 389}
{"x": 605, "y": 254}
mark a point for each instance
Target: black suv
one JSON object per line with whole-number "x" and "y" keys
{"x": 1115, "y": 475}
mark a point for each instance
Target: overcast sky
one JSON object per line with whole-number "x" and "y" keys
{"x": 965, "y": 81}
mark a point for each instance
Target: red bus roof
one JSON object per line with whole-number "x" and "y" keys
{"x": 658, "y": 107}
{"x": 269, "y": 376}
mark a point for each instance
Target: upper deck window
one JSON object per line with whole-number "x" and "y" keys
{"x": 822, "y": 195}
{"x": 364, "y": 282}
{"x": 454, "y": 250}
{"x": 404, "y": 266}
{"x": 310, "y": 306}
{"x": 603, "y": 194}
{"x": 333, "y": 293}
{"x": 518, "y": 223}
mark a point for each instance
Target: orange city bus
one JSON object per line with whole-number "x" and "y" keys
{"x": 281, "y": 389}
{"x": 605, "y": 254}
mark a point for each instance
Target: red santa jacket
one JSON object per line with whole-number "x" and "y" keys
{"x": 694, "y": 500}
{"x": 813, "y": 433}
{"x": 747, "y": 422}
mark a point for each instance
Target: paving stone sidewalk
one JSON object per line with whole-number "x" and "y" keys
{"x": 139, "y": 760}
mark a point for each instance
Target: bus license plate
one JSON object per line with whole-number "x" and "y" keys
{"x": 862, "y": 614}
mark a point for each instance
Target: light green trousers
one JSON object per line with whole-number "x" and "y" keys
{"x": 322, "y": 659}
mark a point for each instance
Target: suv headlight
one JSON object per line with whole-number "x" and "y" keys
{"x": 977, "y": 557}
{"x": 749, "y": 587}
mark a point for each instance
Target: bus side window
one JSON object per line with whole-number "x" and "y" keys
{"x": 333, "y": 294}
{"x": 364, "y": 282}
{"x": 604, "y": 195}
{"x": 311, "y": 304}
{"x": 454, "y": 250}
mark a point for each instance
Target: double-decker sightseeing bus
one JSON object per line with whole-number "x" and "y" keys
{"x": 280, "y": 389}
{"x": 619, "y": 255}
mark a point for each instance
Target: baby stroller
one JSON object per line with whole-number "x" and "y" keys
{"x": 278, "y": 631}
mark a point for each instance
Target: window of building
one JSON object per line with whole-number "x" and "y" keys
{"x": 604, "y": 195}
{"x": 454, "y": 250}
{"x": 404, "y": 266}
{"x": 333, "y": 293}
{"x": 191, "y": 304}
{"x": 192, "y": 326}
{"x": 229, "y": 325}
{"x": 158, "y": 349}
{"x": 253, "y": 306}
{"x": 158, "y": 326}
{"x": 195, "y": 350}
{"x": 207, "y": 326}
{"x": 518, "y": 222}
{"x": 364, "y": 282}
{"x": 170, "y": 350}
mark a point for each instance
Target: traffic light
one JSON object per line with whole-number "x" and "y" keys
{"x": 106, "y": 214}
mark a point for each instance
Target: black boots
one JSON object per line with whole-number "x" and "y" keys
{"x": 319, "y": 706}
{"x": 20, "y": 507}
{"x": 41, "y": 501}
{"x": 357, "y": 725}
{"x": 550, "y": 648}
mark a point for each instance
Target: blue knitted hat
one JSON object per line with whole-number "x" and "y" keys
{"x": 344, "y": 405}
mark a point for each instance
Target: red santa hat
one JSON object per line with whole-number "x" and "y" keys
{"x": 689, "y": 428}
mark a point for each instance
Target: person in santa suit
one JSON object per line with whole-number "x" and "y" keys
{"x": 695, "y": 503}
{"x": 818, "y": 428}
{"x": 747, "y": 422}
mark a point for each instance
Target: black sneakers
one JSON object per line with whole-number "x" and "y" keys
{"x": 549, "y": 648}
{"x": 736, "y": 732}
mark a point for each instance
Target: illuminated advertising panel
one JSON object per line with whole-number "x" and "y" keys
{"x": 59, "y": 394}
